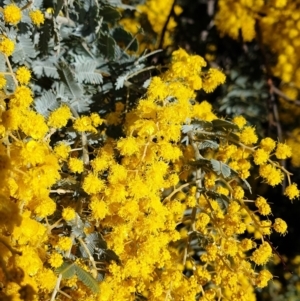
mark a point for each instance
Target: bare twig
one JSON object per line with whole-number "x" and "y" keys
{"x": 164, "y": 30}
{"x": 284, "y": 96}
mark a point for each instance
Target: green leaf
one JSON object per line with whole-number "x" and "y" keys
{"x": 87, "y": 279}
{"x": 67, "y": 77}
{"x": 45, "y": 68}
{"x": 209, "y": 144}
{"x": 234, "y": 137}
{"x": 58, "y": 7}
{"x": 85, "y": 72}
{"x": 2, "y": 63}
{"x": 222, "y": 199}
{"x": 46, "y": 103}
{"x": 10, "y": 84}
{"x": 107, "y": 46}
{"x": 24, "y": 50}
{"x": 124, "y": 37}
{"x": 203, "y": 163}
{"x": 109, "y": 14}
{"x": 220, "y": 124}
{"x": 220, "y": 168}
{"x": 46, "y": 32}
{"x": 111, "y": 255}
{"x": 67, "y": 270}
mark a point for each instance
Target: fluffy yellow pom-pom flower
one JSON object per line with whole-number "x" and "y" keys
{"x": 7, "y": 46}
{"x": 12, "y": 14}
{"x": 292, "y": 191}
{"x": 37, "y": 17}
{"x": 23, "y": 75}
{"x": 68, "y": 214}
{"x": 280, "y": 226}
{"x": 56, "y": 260}
{"x": 2, "y": 81}
{"x": 283, "y": 151}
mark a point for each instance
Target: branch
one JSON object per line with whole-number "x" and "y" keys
{"x": 284, "y": 96}
{"x": 164, "y": 30}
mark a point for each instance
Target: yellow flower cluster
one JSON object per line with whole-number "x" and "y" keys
{"x": 235, "y": 16}
{"x": 157, "y": 14}
{"x": 135, "y": 191}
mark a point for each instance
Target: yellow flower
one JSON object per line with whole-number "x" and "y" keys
{"x": 64, "y": 243}
{"x": 76, "y": 165}
{"x": 96, "y": 119}
{"x": 62, "y": 150}
{"x": 55, "y": 260}
{"x": 2, "y": 81}
{"x": 84, "y": 124}
{"x": 12, "y": 14}
{"x": 240, "y": 121}
{"x": 22, "y": 97}
{"x": 262, "y": 205}
{"x": 128, "y": 146}
{"x": 262, "y": 255}
{"x": 48, "y": 274}
{"x": 272, "y": 175}
{"x": 37, "y": 17}
{"x": 92, "y": 184}
{"x": 7, "y": 46}
{"x": 99, "y": 208}
{"x": 260, "y": 156}
{"x": 247, "y": 244}
{"x": 202, "y": 221}
{"x": 283, "y": 151}
{"x": 248, "y": 135}
{"x": 68, "y": 214}
{"x": 262, "y": 279}
{"x": 45, "y": 208}
{"x": 280, "y": 226}
{"x": 268, "y": 144}
{"x": 292, "y": 191}
{"x": 59, "y": 117}
{"x": 36, "y": 128}
{"x": 23, "y": 75}
{"x": 213, "y": 78}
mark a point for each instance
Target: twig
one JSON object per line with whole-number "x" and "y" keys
{"x": 91, "y": 258}
{"x": 140, "y": 71}
{"x": 284, "y": 96}
{"x": 178, "y": 189}
{"x": 164, "y": 30}
{"x": 58, "y": 281}
{"x": 61, "y": 191}
{"x": 143, "y": 57}
{"x": 11, "y": 71}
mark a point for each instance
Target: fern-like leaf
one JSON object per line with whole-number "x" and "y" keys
{"x": 85, "y": 72}
{"x": 67, "y": 270}
{"x": 24, "y": 50}
{"x": 45, "y": 68}
{"x": 87, "y": 279}
{"x": 69, "y": 80}
{"x": 47, "y": 103}
{"x": 10, "y": 84}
